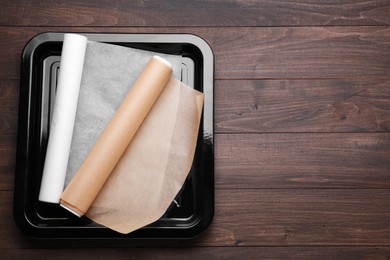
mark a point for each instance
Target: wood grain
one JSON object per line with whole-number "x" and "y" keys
{"x": 7, "y": 161}
{"x": 251, "y": 161}
{"x": 302, "y": 124}
{"x": 253, "y": 52}
{"x": 194, "y": 13}
{"x": 310, "y": 52}
{"x": 274, "y": 106}
{"x": 9, "y": 96}
{"x": 260, "y": 217}
{"x": 302, "y": 106}
{"x": 338, "y": 160}
{"x": 205, "y": 253}
{"x": 296, "y": 217}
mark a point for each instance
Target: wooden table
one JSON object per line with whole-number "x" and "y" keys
{"x": 302, "y": 120}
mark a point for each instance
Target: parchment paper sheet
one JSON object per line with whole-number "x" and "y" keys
{"x": 155, "y": 165}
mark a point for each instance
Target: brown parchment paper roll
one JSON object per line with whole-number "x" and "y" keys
{"x": 93, "y": 173}
{"x": 155, "y": 165}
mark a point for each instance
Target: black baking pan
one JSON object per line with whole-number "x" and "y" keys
{"x": 193, "y": 208}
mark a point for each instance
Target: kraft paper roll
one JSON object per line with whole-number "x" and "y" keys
{"x": 61, "y": 130}
{"x": 93, "y": 173}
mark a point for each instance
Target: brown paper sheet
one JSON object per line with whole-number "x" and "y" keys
{"x": 155, "y": 165}
{"x": 93, "y": 173}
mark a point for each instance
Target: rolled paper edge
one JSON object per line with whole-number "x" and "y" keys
{"x": 163, "y": 61}
{"x": 71, "y": 208}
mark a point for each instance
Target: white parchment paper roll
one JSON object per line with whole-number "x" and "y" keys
{"x": 61, "y": 130}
